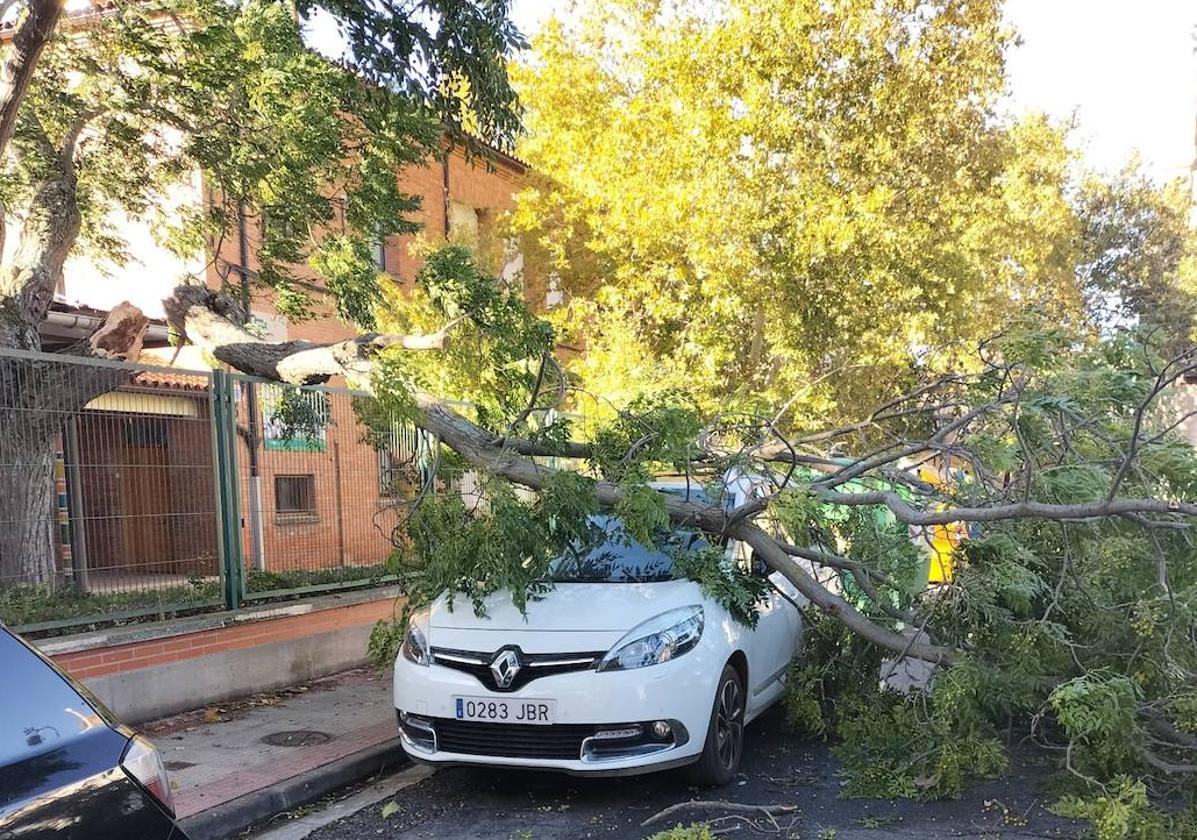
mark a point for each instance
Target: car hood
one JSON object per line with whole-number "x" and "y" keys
{"x": 572, "y": 616}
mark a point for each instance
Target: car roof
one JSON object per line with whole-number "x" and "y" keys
{"x": 690, "y": 491}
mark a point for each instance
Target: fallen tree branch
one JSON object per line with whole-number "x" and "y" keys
{"x": 1165, "y": 766}
{"x": 719, "y": 805}
{"x": 910, "y": 515}
{"x": 208, "y": 326}
{"x": 214, "y": 322}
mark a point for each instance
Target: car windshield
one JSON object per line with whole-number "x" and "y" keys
{"x": 612, "y": 555}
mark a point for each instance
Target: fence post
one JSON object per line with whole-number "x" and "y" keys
{"x": 224, "y": 427}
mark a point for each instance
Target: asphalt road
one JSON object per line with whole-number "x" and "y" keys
{"x": 779, "y": 768}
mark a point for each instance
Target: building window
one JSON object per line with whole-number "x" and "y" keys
{"x": 294, "y": 419}
{"x": 405, "y": 457}
{"x": 378, "y": 249}
{"x": 146, "y": 431}
{"x": 295, "y": 496}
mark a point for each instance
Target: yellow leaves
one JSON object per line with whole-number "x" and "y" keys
{"x": 253, "y": 51}
{"x": 786, "y": 159}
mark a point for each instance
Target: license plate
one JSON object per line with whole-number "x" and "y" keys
{"x": 490, "y": 710}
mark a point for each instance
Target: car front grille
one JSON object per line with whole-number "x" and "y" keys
{"x": 533, "y": 666}
{"x": 510, "y": 740}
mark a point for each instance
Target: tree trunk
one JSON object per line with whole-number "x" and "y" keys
{"x": 19, "y": 65}
{"x": 50, "y": 229}
{"x": 38, "y": 396}
{"x": 27, "y": 546}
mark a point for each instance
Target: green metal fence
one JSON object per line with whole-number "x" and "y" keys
{"x": 133, "y": 492}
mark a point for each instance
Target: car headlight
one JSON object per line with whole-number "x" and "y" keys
{"x": 664, "y": 637}
{"x": 415, "y": 642}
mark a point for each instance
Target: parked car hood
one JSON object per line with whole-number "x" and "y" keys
{"x": 607, "y": 610}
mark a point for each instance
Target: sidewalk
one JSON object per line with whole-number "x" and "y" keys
{"x": 241, "y": 762}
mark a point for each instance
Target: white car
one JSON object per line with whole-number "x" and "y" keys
{"x": 619, "y": 669}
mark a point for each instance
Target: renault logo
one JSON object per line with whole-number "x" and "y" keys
{"x": 504, "y": 667}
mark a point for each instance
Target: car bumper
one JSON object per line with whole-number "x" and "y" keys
{"x": 591, "y": 707}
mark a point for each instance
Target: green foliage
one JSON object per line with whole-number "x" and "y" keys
{"x": 711, "y": 181}
{"x": 833, "y": 659}
{"x": 1099, "y": 714}
{"x": 505, "y": 548}
{"x": 302, "y": 148}
{"x": 1069, "y": 629}
{"x": 1138, "y": 254}
{"x": 386, "y": 637}
{"x": 297, "y": 413}
{"x": 462, "y": 77}
{"x": 722, "y": 580}
{"x": 891, "y": 745}
{"x": 642, "y": 511}
{"x": 257, "y": 580}
{"x": 1124, "y": 813}
{"x": 654, "y": 430}
{"x": 495, "y": 346}
{"x": 34, "y": 604}
{"x": 21, "y": 605}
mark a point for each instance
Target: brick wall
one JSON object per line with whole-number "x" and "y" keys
{"x": 470, "y": 182}
{"x": 350, "y": 522}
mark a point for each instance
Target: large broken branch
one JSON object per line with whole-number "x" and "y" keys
{"x": 215, "y": 322}
{"x": 199, "y": 315}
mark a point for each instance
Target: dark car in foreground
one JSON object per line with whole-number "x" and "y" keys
{"x": 68, "y": 769}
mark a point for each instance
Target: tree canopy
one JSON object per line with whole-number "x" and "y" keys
{"x": 104, "y": 111}
{"x": 795, "y": 203}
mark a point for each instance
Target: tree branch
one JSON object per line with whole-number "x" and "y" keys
{"x": 214, "y": 322}
{"x": 31, "y": 38}
{"x": 202, "y": 317}
{"x": 911, "y": 515}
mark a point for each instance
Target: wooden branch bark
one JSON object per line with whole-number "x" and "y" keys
{"x": 32, "y": 36}
{"x": 719, "y": 805}
{"x": 214, "y": 322}
{"x": 50, "y": 229}
{"x": 910, "y": 515}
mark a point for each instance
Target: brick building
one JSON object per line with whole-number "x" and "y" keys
{"x": 141, "y": 459}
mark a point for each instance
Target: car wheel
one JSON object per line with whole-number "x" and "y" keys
{"x": 725, "y": 735}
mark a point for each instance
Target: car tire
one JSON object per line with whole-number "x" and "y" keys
{"x": 725, "y": 734}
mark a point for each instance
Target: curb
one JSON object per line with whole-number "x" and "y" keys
{"x": 236, "y": 815}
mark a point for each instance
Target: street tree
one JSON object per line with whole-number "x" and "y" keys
{"x": 1137, "y": 255}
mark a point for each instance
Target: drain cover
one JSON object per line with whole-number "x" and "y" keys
{"x": 296, "y": 738}
{"x": 176, "y": 766}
